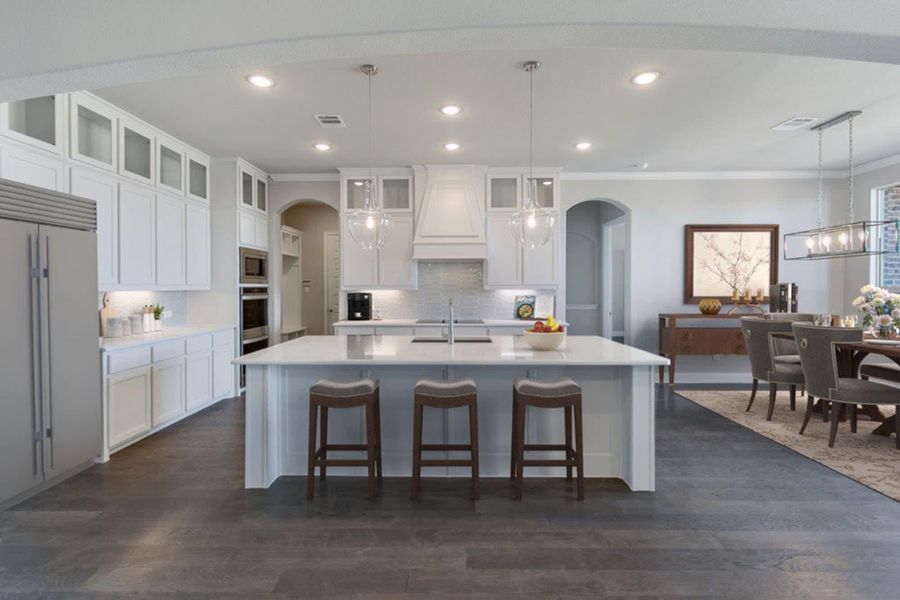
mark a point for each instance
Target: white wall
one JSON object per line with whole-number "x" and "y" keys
{"x": 659, "y": 210}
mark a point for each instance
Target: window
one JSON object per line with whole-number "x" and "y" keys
{"x": 889, "y": 264}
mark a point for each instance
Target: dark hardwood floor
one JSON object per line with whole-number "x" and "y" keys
{"x": 735, "y": 516}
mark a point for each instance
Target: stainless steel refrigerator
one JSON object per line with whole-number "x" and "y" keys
{"x": 50, "y": 395}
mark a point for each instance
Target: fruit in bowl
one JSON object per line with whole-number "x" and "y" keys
{"x": 545, "y": 335}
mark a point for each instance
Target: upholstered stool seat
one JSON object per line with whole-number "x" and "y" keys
{"x": 435, "y": 393}
{"x": 326, "y": 394}
{"x": 560, "y": 393}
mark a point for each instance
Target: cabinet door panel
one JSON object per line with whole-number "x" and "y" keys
{"x": 198, "y": 379}
{"x": 129, "y": 404}
{"x": 32, "y": 168}
{"x": 170, "y": 232}
{"x": 396, "y": 266}
{"x": 539, "y": 264}
{"x": 223, "y": 371}
{"x": 197, "y": 245}
{"x": 262, "y": 232}
{"x": 168, "y": 390}
{"x": 359, "y": 267}
{"x": 246, "y": 229}
{"x": 504, "y": 255}
{"x": 137, "y": 237}
{"x": 93, "y": 136}
{"x": 104, "y": 190}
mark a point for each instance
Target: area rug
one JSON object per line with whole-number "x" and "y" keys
{"x": 872, "y": 460}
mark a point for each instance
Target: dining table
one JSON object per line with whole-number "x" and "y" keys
{"x": 848, "y": 357}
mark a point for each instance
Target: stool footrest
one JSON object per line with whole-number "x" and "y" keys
{"x": 341, "y": 462}
{"x": 560, "y": 462}
{"x": 438, "y": 447}
{"x": 445, "y": 462}
{"x": 548, "y": 447}
{"x": 343, "y": 447}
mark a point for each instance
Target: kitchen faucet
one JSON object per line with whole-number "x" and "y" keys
{"x": 451, "y": 334}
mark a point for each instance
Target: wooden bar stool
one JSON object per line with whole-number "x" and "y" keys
{"x": 445, "y": 394}
{"x": 325, "y": 394}
{"x": 563, "y": 393}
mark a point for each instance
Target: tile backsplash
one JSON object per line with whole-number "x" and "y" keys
{"x": 125, "y": 304}
{"x": 440, "y": 281}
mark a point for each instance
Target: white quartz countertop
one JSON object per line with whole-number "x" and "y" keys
{"x": 401, "y": 350}
{"x": 525, "y": 323}
{"x": 169, "y": 333}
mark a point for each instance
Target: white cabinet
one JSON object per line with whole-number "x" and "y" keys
{"x": 104, "y": 190}
{"x": 39, "y": 122}
{"x": 506, "y": 188}
{"x": 137, "y": 237}
{"x": 262, "y": 194}
{"x": 168, "y": 390}
{"x": 170, "y": 158}
{"x": 253, "y": 230}
{"x": 223, "y": 371}
{"x": 128, "y": 398}
{"x": 197, "y": 176}
{"x": 395, "y": 264}
{"x": 93, "y": 137}
{"x": 540, "y": 265}
{"x": 359, "y": 267}
{"x": 137, "y": 155}
{"x": 261, "y": 235}
{"x": 503, "y": 266}
{"x": 246, "y": 186}
{"x": 34, "y": 168}
{"x": 197, "y": 245}
{"x": 291, "y": 241}
{"x": 393, "y": 186}
{"x": 198, "y": 379}
{"x": 170, "y": 244}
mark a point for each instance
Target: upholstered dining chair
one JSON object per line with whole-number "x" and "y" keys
{"x": 787, "y": 349}
{"x": 764, "y": 363}
{"x": 817, "y": 356}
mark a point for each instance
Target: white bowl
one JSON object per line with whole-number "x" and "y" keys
{"x": 544, "y": 341}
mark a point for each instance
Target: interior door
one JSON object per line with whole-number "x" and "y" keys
{"x": 72, "y": 409}
{"x": 20, "y": 467}
{"x": 332, "y": 280}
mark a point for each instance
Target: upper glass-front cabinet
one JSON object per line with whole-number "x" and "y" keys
{"x": 198, "y": 176}
{"x": 261, "y": 195}
{"x": 170, "y": 165}
{"x": 92, "y": 131}
{"x": 504, "y": 192}
{"x": 246, "y": 189}
{"x": 136, "y": 156}
{"x": 396, "y": 193}
{"x": 36, "y": 121}
{"x": 355, "y": 193}
{"x": 545, "y": 192}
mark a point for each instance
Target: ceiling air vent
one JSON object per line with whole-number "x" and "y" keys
{"x": 794, "y": 124}
{"x": 330, "y": 121}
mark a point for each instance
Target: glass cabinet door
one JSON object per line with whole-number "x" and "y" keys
{"x": 356, "y": 193}
{"x": 504, "y": 193}
{"x": 545, "y": 189}
{"x": 136, "y": 151}
{"x": 261, "y": 198}
{"x": 93, "y": 132}
{"x": 198, "y": 177}
{"x": 35, "y": 121}
{"x": 396, "y": 193}
{"x": 170, "y": 158}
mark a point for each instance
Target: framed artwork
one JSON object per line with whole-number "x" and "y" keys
{"x": 524, "y": 307}
{"x": 721, "y": 258}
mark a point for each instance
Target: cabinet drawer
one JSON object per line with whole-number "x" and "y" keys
{"x": 166, "y": 350}
{"x": 221, "y": 338}
{"x": 705, "y": 341}
{"x": 198, "y": 343}
{"x": 129, "y": 359}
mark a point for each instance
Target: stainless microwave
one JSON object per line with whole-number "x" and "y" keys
{"x": 254, "y": 267}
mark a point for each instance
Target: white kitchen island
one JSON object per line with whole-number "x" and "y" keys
{"x": 618, "y": 402}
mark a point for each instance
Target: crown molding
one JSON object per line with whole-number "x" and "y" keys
{"x": 874, "y": 165}
{"x": 694, "y": 175}
{"x": 304, "y": 177}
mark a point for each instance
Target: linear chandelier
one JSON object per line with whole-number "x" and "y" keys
{"x": 854, "y": 238}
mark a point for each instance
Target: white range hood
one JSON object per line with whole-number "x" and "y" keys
{"x": 449, "y": 213}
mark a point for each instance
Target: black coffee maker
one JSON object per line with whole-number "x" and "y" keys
{"x": 359, "y": 306}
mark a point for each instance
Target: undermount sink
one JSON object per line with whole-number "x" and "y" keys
{"x": 459, "y": 340}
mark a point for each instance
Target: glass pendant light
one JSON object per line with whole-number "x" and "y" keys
{"x": 854, "y": 238}
{"x": 369, "y": 226}
{"x": 532, "y": 225}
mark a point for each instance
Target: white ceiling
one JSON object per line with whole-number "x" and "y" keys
{"x": 708, "y": 111}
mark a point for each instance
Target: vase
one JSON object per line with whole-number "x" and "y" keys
{"x": 710, "y": 306}
{"x": 885, "y": 332}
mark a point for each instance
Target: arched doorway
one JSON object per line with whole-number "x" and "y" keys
{"x": 307, "y": 282}
{"x": 597, "y": 246}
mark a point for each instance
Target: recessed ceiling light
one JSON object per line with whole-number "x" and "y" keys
{"x": 322, "y": 147}
{"x": 451, "y": 110}
{"x": 358, "y": 183}
{"x": 451, "y": 146}
{"x": 583, "y": 145}
{"x": 261, "y": 81}
{"x": 547, "y": 182}
{"x": 645, "y": 78}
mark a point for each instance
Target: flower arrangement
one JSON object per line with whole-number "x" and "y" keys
{"x": 879, "y": 308}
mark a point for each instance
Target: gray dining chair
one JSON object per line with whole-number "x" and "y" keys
{"x": 819, "y": 362}
{"x": 787, "y": 349}
{"x": 764, "y": 364}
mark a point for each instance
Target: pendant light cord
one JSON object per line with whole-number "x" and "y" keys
{"x": 369, "y": 77}
{"x": 531, "y": 122}
{"x": 850, "y": 166}
{"x": 819, "y": 191}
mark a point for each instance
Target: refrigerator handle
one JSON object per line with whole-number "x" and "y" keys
{"x": 36, "y": 384}
{"x": 46, "y": 367}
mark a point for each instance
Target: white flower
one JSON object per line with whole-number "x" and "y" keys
{"x": 859, "y": 301}
{"x": 868, "y": 289}
{"x": 884, "y": 321}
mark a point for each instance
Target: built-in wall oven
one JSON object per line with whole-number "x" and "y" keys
{"x": 254, "y": 267}
{"x": 254, "y": 321}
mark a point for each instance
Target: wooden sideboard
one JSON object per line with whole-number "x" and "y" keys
{"x": 683, "y": 334}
